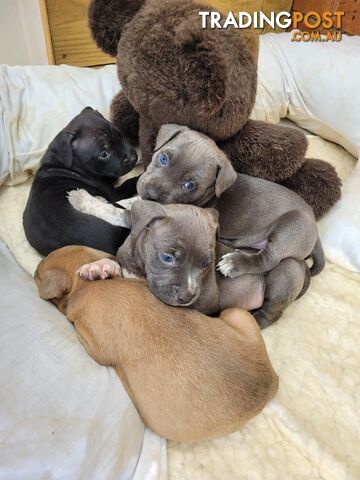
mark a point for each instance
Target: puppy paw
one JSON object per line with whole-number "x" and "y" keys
{"x": 227, "y": 265}
{"x": 102, "y": 269}
{"x": 81, "y": 200}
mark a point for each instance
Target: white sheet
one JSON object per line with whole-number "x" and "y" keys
{"x": 314, "y": 84}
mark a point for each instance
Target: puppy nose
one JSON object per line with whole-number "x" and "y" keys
{"x": 185, "y": 296}
{"x": 131, "y": 156}
{"x": 151, "y": 194}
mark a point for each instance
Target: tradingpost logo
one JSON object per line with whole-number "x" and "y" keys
{"x": 324, "y": 27}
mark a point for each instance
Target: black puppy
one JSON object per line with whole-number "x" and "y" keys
{"x": 88, "y": 153}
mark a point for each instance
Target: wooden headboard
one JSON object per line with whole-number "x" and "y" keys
{"x": 351, "y": 9}
{"x": 69, "y": 40}
{"x": 68, "y": 36}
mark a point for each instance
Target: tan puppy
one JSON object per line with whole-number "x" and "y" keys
{"x": 190, "y": 376}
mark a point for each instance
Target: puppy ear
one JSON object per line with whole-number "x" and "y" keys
{"x": 215, "y": 217}
{"x": 61, "y": 147}
{"x": 214, "y": 214}
{"x": 167, "y": 133}
{"x": 226, "y": 176}
{"x": 54, "y": 284}
{"x": 88, "y": 109}
{"x": 143, "y": 214}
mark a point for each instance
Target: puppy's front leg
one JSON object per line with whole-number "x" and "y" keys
{"x": 82, "y": 201}
{"x": 236, "y": 264}
{"x": 102, "y": 269}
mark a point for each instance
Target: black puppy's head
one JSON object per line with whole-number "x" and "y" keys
{"x": 91, "y": 145}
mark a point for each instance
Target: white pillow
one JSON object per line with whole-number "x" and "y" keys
{"x": 62, "y": 416}
{"x": 317, "y": 85}
{"x": 36, "y": 102}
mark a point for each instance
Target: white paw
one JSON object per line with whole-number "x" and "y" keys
{"x": 80, "y": 199}
{"x": 102, "y": 269}
{"x": 226, "y": 264}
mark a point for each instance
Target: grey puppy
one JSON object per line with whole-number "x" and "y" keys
{"x": 172, "y": 246}
{"x": 265, "y": 222}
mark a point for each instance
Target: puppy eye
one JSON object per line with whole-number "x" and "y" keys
{"x": 104, "y": 155}
{"x": 189, "y": 185}
{"x": 166, "y": 258}
{"x": 163, "y": 159}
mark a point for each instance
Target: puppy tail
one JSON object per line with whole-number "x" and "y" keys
{"x": 318, "y": 259}
{"x": 107, "y": 19}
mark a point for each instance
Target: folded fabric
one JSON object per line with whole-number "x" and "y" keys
{"x": 314, "y": 84}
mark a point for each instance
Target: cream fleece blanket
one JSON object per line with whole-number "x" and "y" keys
{"x": 311, "y": 430}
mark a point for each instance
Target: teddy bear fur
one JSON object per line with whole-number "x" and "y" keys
{"x": 172, "y": 71}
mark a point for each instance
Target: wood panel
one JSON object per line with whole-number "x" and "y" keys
{"x": 70, "y": 34}
{"x": 351, "y": 8}
{"x": 351, "y": 19}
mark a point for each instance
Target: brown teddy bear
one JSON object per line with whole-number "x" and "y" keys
{"x": 173, "y": 71}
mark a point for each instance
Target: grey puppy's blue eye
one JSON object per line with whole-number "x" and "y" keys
{"x": 104, "y": 155}
{"x": 189, "y": 185}
{"x": 163, "y": 159}
{"x": 166, "y": 258}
